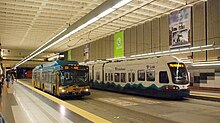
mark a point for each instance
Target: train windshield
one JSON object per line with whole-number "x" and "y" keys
{"x": 179, "y": 73}
{"x": 78, "y": 77}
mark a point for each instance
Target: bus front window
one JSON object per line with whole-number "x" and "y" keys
{"x": 74, "y": 78}
{"x": 82, "y": 77}
{"x": 179, "y": 73}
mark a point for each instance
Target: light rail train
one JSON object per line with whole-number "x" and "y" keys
{"x": 160, "y": 77}
{"x": 62, "y": 78}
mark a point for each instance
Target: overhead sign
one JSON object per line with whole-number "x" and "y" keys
{"x": 119, "y": 44}
{"x": 180, "y": 28}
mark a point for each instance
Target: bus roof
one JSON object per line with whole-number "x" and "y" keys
{"x": 60, "y": 62}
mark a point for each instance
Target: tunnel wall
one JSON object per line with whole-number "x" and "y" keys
{"x": 153, "y": 36}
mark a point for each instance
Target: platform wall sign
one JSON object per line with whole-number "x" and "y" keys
{"x": 119, "y": 44}
{"x": 69, "y": 55}
{"x": 180, "y": 28}
{"x": 86, "y": 52}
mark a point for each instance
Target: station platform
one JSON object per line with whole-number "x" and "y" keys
{"x": 21, "y": 103}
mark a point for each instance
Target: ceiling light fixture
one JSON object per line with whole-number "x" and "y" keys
{"x": 69, "y": 33}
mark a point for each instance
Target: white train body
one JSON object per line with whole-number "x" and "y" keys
{"x": 154, "y": 77}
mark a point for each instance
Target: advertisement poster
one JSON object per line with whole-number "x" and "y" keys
{"x": 119, "y": 44}
{"x": 180, "y": 28}
{"x": 86, "y": 52}
{"x": 69, "y": 55}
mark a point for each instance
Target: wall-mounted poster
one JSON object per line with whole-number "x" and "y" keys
{"x": 180, "y": 28}
{"x": 69, "y": 55}
{"x": 86, "y": 52}
{"x": 119, "y": 44}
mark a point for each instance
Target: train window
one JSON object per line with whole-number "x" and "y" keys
{"x": 109, "y": 79}
{"x": 117, "y": 77}
{"x": 133, "y": 77}
{"x": 163, "y": 77}
{"x": 141, "y": 75}
{"x": 97, "y": 75}
{"x": 111, "y": 76}
{"x": 150, "y": 75}
{"x": 129, "y": 77}
{"x": 106, "y": 76}
{"x": 123, "y": 77}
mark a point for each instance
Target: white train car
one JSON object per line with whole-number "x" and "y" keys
{"x": 162, "y": 77}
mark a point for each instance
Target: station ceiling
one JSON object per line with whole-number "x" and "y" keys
{"x": 25, "y": 25}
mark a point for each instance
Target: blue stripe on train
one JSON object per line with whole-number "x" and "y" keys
{"x": 139, "y": 89}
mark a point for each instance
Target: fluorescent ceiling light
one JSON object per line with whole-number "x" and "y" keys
{"x": 91, "y": 21}
{"x": 176, "y": 51}
{"x": 121, "y": 3}
{"x": 162, "y": 5}
{"x": 179, "y": 1}
{"x": 106, "y": 12}
{"x": 200, "y": 65}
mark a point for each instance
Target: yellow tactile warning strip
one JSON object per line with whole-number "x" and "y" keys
{"x": 81, "y": 112}
{"x": 204, "y": 95}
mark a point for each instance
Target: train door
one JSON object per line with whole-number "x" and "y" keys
{"x": 131, "y": 76}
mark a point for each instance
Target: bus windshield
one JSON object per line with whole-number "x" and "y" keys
{"x": 78, "y": 77}
{"x": 179, "y": 73}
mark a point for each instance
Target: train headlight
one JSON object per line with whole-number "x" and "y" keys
{"x": 86, "y": 90}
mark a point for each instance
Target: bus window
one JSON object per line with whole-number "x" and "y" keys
{"x": 150, "y": 75}
{"x": 117, "y": 77}
{"x": 67, "y": 76}
{"x": 133, "y": 77}
{"x": 38, "y": 76}
{"x": 50, "y": 77}
{"x": 141, "y": 75}
{"x": 111, "y": 76}
{"x": 123, "y": 77}
{"x": 106, "y": 76}
{"x": 90, "y": 76}
{"x": 54, "y": 77}
{"x": 43, "y": 77}
{"x": 46, "y": 76}
{"x": 163, "y": 77}
{"x": 52, "y": 81}
{"x": 129, "y": 77}
{"x": 97, "y": 75}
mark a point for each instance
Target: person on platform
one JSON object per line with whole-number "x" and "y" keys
{"x": 12, "y": 78}
{"x": 8, "y": 80}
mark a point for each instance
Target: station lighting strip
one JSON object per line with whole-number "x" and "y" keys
{"x": 200, "y": 64}
{"x": 101, "y": 15}
{"x": 169, "y": 52}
